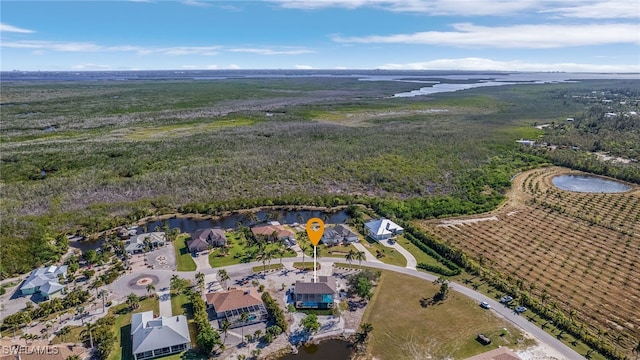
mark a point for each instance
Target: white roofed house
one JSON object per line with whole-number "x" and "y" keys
{"x": 45, "y": 281}
{"x": 137, "y": 243}
{"x": 382, "y": 229}
{"x": 154, "y": 337}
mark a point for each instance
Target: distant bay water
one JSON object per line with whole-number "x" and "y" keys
{"x": 427, "y": 82}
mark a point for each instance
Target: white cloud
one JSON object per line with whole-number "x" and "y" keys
{"x": 63, "y": 46}
{"x": 91, "y": 67}
{"x": 482, "y": 64}
{"x": 233, "y": 67}
{"x": 516, "y": 36}
{"x": 433, "y": 7}
{"x": 196, "y": 3}
{"x": 14, "y": 29}
{"x": 264, "y": 51}
{"x": 211, "y": 67}
{"x": 598, "y": 9}
{"x": 304, "y": 67}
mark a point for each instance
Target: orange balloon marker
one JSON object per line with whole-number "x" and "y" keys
{"x": 315, "y": 229}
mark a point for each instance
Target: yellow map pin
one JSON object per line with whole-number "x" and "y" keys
{"x": 315, "y": 229}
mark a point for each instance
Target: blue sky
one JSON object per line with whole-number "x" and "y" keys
{"x": 521, "y": 35}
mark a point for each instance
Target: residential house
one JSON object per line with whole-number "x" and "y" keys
{"x": 45, "y": 281}
{"x": 154, "y": 337}
{"x": 231, "y": 304}
{"x": 275, "y": 229}
{"x": 382, "y": 229}
{"x": 338, "y": 234}
{"x": 137, "y": 244}
{"x": 202, "y": 238}
{"x": 318, "y": 295}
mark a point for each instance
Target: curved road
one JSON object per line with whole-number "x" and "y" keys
{"x": 121, "y": 287}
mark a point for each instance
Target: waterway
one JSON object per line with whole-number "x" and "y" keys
{"x": 589, "y": 184}
{"x": 328, "y": 349}
{"x": 187, "y": 225}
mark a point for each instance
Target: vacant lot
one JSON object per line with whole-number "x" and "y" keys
{"x": 580, "y": 249}
{"x": 403, "y": 329}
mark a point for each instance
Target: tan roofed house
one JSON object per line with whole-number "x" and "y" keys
{"x": 231, "y": 304}
{"x": 268, "y": 230}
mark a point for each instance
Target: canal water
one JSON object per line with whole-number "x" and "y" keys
{"x": 588, "y": 184}
{"x": 326, "y": 350}
{"x": 231, "y": 221}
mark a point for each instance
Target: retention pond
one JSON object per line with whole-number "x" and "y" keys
{"x": 589, "y": 184}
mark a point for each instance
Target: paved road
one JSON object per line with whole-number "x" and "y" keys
{"x": 520, "y": 321}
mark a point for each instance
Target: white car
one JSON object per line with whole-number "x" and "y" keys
{"x": 485, "y": 305}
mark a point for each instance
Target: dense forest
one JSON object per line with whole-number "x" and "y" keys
{"x": 81, "y": 158}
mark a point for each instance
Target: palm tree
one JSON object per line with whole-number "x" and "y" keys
{"x": 617, "y": 341}
{"x": 80, "y": 311}
{"x": 350, "y": 256}
{"x": 360, "y": 255}
{"x": 87, "y": 332}
{"x": 64, "y": 331}
{"x": 267, "y": 255}
{"x": 243, "y": 319}
{"x": 96, "y": 285}
{"x": 224, "y": 327}
{"x": 150, "y": 288}
{"x": 304, "y": 249}
{"x": 223, "y": 276}
{"x": 544, "y": 296}
{"x": 200, "y": 281}
{"x": 176, "y": 283}
{"x": 281, "y": 252}
{"x": 133, "y": 301}
{"x": 104, "y": 293}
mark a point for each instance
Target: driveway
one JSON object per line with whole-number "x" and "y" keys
{"x": 411, "y": 260}
{"x": 202, "y": 261}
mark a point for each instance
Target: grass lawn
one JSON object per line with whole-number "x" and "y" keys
{"x": 72, "y": 337}
{"x": 421, "y": 256}
{"x": 446, "y": 330}
{"x": 260, "y": 268}
{"x": 184, "y": 261}
{"x": 390, "y": 255}
{"x": 122, "y": 328}
{"x": 238, "y": 252}
{"x": 180, "y": 305}
{"x": 338, "y": 251}
{"x": 307, "y": 265}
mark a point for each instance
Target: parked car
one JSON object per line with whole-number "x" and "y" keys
{"x": 521, "y": 309}
{"x": 485, "y": 305}
{"x": 506, "y": 299}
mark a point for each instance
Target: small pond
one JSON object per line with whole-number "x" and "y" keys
{"x": 231, "y": 221}
{"x": 328, "y": 349}
{"x": 589, "y": 184}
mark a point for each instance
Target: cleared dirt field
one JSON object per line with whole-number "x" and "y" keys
{"x": 582, "y": 249}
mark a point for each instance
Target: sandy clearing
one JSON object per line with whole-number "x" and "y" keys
{"x": 454, "y": 222}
